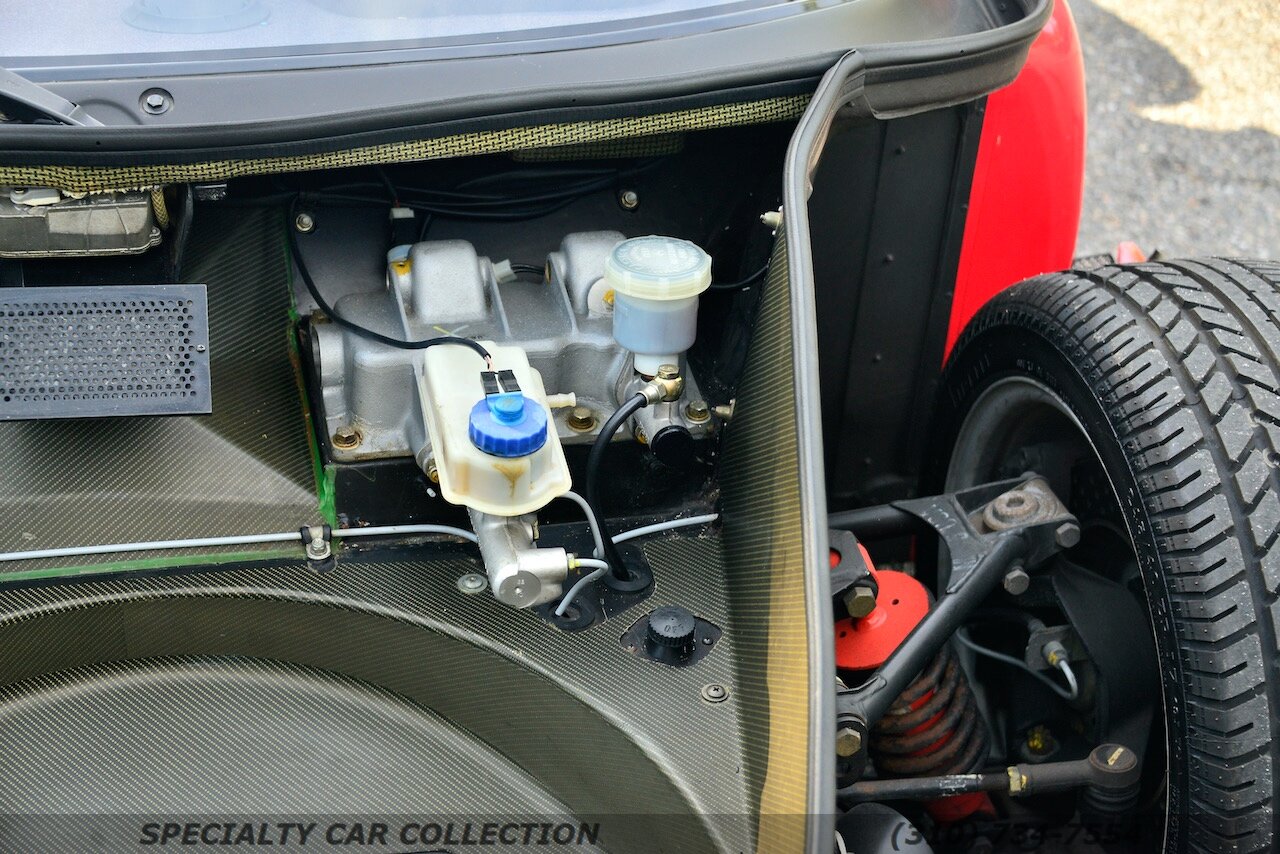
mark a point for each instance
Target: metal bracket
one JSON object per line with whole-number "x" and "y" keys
{"x": 318, "y": 542}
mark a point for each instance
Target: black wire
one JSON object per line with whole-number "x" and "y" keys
{"x": 594, "y": 459}
{"x": 181, "y": 231}
{"x": 532, "y": 269}
{"x": 747, "y": 282}
{"x": 362, "y": 331}
{"x": 513, "y": 205}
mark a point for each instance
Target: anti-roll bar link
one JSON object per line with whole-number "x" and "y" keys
{"x": 984, "y": 533}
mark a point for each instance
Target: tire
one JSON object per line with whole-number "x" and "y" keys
{"x": 1171, "y": 371}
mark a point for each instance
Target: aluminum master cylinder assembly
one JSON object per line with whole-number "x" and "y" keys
{"x": 605, "y": 332}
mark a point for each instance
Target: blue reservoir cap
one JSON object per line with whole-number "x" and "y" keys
{"x": 508, "y": 425}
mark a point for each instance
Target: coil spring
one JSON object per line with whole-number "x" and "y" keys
{"x": 933, "y": 727}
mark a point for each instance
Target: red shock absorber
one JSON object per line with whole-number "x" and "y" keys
{"x": 934, "y": 726}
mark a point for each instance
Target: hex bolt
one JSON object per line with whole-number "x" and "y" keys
{"x": 848, "y": 742}
{"x": 859, "y": 601}
{"x": 697, "y": 411}
{"x": 304, "y": 223}
{"x": 629, "y": 199}
{"x": 1016, "y": 581}
{"x": 1067, "y": 535}
{"x": 581, "y": 418}
{"x": 346, "y": 437}
{"x": 668, "y": 372}
{"x": 472, "y": 583}
{"x": 156, "y": 101}
{"x": 714, "y": 692}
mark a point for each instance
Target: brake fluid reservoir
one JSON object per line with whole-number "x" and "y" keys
{"x": 491, "y": 439}
{"x": 656, "y": 282}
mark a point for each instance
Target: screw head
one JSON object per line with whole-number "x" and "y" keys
{"x": 697, "y": 410}
{"x": 581, "y": 418}
{"x": 1067, "y": 535}
{"x": 1016, "y": 581}
{"x": 848, "y": 742}
{"x": 472, "y": 583}
{"x": 629, "y": 200}
{"x": 156, "y": 101}
{"x": 346, "y": 437}
{"x": 714, "y": 692}
{"x": 668, "y": 372}
{"x": 305, "y": 223}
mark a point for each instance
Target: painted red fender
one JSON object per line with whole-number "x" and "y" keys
{"x": 1028, "y": 182}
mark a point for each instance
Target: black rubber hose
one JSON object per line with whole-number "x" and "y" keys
{"x": 630, "y": 407}
{"x": 364, "y": 332}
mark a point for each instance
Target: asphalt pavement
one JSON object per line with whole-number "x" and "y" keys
{"x": 1184, "y": 126}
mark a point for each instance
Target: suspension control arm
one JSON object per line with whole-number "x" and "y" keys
{"x": 985, "y": 532}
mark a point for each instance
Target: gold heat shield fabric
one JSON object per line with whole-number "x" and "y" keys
{"x": 101, "y": 179}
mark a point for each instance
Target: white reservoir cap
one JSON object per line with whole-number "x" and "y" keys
{"x": 658, "y": 268}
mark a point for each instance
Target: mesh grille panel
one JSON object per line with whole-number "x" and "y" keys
{"x": 82, "y": 352}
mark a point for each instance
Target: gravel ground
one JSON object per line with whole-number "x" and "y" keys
{"x": 1184, "y": 126}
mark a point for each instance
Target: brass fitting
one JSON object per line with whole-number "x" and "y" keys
{"x": 666, "y": 387}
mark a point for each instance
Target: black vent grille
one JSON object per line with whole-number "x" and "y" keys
{"x": 93, "y": 352}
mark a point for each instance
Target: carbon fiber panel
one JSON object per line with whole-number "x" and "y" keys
{"x": 598, "y": 730}
{"x": 765, "y": 568}
{"x": 246, "y": 468}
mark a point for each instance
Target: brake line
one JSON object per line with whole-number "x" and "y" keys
{"x": 296, "y": 536}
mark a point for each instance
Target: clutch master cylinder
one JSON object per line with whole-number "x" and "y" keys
{"x": 494, "y": 454}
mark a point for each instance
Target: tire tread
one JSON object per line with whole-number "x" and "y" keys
{"x": 1184, "y": 357}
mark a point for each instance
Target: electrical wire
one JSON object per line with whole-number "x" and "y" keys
{"x": 659, "y": 527}
{"x": 363, "y": 331}
{"x": 155, "y": 545}
{"x": 591, "y": 520}
{"x": 393, "y": 530}
{"x": 531, "y": 269}
{"x": 600, "y": 568}
{"x": 514, "y": 206}
{"x": 744, "y": 283}
{"x": 233, "y": 540}
{"x": 295, "y": 536}
{"x": 1070, "y": 675}
{"x": 595, "y": 458}
{"x": 1064, "y": 693}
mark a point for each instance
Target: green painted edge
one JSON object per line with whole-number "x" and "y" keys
{"x": 143, "y": 564}
{"x": 325, "y": 476}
